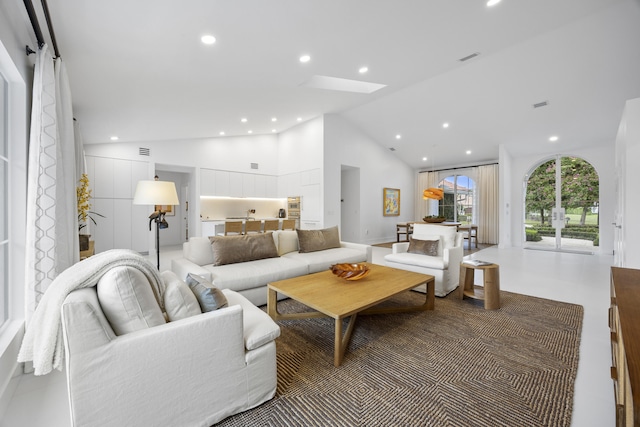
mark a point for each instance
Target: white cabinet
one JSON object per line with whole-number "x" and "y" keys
{"x": 235, "y": 184}
{"x": 248, "y": 185}
{"x": 113, "y": 183}
{"x": 310, "y": 203}
{"x": 222, "y": 183}
{"x": 207, "y": 182}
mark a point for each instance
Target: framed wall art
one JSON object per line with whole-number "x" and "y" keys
{"x": 391, "y": 202}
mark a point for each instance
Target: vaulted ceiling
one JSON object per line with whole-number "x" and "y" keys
{"x": 138, "y": 70}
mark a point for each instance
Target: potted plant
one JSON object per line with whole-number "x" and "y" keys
{"x": 83, "y": 194}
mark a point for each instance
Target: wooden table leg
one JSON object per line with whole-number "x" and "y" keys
{"x": 341, "y": 342}
{"x": 272, "y": 300}
{"x": 491, "y": 288}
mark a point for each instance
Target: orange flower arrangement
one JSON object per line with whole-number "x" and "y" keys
{"x": 433, "y": 193}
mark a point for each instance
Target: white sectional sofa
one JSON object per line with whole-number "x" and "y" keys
{"x": 250, "y": 278}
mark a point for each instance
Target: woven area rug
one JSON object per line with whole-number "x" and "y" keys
{"x": 458, "y": 365}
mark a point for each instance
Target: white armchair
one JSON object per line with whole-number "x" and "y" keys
{"x": 444, "y": 265}
{"x": 190, "y": 372}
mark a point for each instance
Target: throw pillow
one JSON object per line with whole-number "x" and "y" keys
{"x": 287, "y": 242}
{"x": 209, "y": 297}
{"x": 424, "y": 247}
{"x": 128, "y": 301}
{"x": 250, "y": 247}
{"x": 199, "y": 249}
{"x": 318, "y": 240}
{"x": 179, "y": 301}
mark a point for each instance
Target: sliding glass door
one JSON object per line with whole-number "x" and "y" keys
{"x": 561, "y": 206}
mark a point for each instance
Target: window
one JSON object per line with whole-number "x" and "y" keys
{"x": 4, "y": 205}
{"x": 458, "y": 204}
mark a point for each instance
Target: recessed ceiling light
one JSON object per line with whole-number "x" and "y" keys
{"x": 243, "y": 120}
{"x": 221, "y": 132}
{"x": 553, "y": 138}
{"x": 424, "y": 159}
{"x": 273, "y": 130}
{"x": 363, "y": 70}
{"x": 299, "y": 119}
{"x": 445, "y": 125}
{"x": 114, "y": 138}
{"x": 468, "y": 151}
{"x": 492, "y": 2}
{"x": 250, "y": 131}
{"x": 208, "y": 39}
{"x": 274, "y": 119}
{"x": 305, "y": 58}
{"x": 398, "y": 136}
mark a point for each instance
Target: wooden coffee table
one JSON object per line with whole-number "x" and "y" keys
{"x": 338, "y": 298}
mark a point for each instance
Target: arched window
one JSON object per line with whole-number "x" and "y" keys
{"x": 459, "y": 202}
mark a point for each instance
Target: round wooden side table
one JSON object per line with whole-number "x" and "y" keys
{"x": 491, "y": 291}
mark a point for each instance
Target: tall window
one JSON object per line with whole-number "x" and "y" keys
{"x": 459, "y": 202}
{"x": 4, "y": 205}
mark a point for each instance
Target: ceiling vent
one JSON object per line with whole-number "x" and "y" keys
{"x": 144, "y": 151}
{"x": 468, "y": 57}
{"x": 254, "y": 166}
{"x": 541, "y": 104}
{"x": 392, "y": 149}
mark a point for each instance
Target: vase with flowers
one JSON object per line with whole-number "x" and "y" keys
{"x": 83, "y": 193}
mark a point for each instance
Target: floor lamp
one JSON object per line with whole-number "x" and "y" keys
{"x": 157, "y": 193}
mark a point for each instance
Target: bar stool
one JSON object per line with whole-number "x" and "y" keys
{"x": 271, "y": 225}
{"x": 252, "y": 226}
{"x": 232, "y": 228}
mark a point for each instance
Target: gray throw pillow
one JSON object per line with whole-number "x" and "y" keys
{"x": 249, "y": 247}
{"x": 318, "y": 240}
{"x": 423, "y": 247}
{"x": 209, "y": 297}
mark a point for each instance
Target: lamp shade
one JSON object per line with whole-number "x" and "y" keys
{"x": 156, "y": 193}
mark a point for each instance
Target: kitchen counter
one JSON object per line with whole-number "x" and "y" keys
{"x": 214, "y": 227}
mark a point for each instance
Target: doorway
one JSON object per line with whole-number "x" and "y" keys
{"x": 350, "y": 204}
{"x": 562, "y": 206}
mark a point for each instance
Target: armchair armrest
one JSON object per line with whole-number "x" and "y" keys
{"x": 359, "y": 246}
{"x": 182, "y": 267}
{"x": 399, "y": 248}
{"x": 452, "y": 256}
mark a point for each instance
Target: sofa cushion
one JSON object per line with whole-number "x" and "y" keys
{"x": 253, "y": 274}
{"x": 128, "y": 301}
{"x": 287, "y": 242}
{"x": 424, "y": 247}
{"x": 258, "y": 328}
{"x": 179, "y": 300}
{"x": 209, "y": 297}
{"x": 322, "y": 260}
{"x": 200, "y": 252}
{"x": 248, "y": 247}
{"x": 416, "y": 260}
{"x": 318, "y": 240}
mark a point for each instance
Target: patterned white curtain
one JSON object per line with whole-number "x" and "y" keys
{"x": 52, "y": 223}
{"x": 488, "y": 204}
{"x": 425, "y": 207}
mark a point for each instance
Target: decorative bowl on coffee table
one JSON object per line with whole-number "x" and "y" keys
{"x": 348, "y": 271}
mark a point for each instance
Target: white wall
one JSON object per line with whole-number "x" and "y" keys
{"x": 627, "y": 195}
{"x": 224, "y": 153}
{"x": 344, "y": 144}
{"x": 300, "y": 148}
{"x": 601, "y": 158}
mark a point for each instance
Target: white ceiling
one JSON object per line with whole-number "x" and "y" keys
{"x": 138, "y": 70}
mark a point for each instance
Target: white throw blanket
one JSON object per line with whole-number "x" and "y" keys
{"x": 43, "y": 342}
